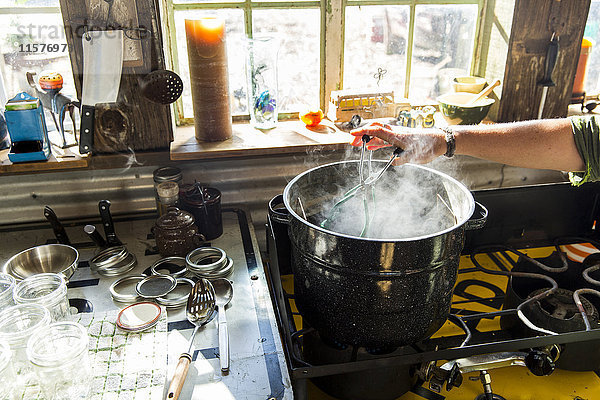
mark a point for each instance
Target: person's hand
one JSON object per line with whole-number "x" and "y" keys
{"x": 420, "y": 145}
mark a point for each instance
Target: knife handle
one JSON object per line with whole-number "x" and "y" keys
{"x": 57, "y": 227}
{"x": 551, "y": 56}
{"x": 107, "y": 223}
{"x": 86, "y": 134}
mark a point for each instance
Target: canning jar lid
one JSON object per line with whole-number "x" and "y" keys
{"x": 43, "y": 288}
{"x": 175, "y": 219}
{"x": 154, "y": 286}
{"x": 18, "y": 322}
{"x": 163, "y": 174}
{"x": 57, "y": 344}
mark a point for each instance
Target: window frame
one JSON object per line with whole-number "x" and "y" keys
{"x": 331, "y": 41}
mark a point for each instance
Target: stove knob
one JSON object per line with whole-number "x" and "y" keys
{"x": 539, "y": 363}
{"x": 454, "y": 378}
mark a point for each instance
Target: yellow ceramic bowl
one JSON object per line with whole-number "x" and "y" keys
{"x": 469, "y": 84}
{"x": 456, "y": 112}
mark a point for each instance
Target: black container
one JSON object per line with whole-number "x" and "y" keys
{"x": 280, "y": 219}
{"x": 204, "y": 203}
{"x": 374, "y": 292}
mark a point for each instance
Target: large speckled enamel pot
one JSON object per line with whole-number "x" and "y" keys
{"x": 374, "y": 292}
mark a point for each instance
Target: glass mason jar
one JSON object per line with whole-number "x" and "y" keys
{"x": 60, "y": 358}
{"x": 261, "y": 76}
{"x": 49, "y": 290}
{"x": 7, "y": 283}
{"x": 17, "y": 324}
{"x": 7, "y": 374}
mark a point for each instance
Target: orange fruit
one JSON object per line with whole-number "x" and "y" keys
{"x": 311, "y": 117}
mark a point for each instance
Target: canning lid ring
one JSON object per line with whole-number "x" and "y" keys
{"x": 109, "y": 256}
{"x": 170, "y": 260}
{"x": 178, "y": 301}
{"x": 125, "y": 298}
{"x": 151, "y": 286}
{"x": 119, "y": 268}
{"x": 202, "y": 253}
{"x": 221, "y": 273}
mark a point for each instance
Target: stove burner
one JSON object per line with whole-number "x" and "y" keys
{"x": 380, "y": 351}
{"x": 558, "y": 311}
{"x": 484, "y": 396}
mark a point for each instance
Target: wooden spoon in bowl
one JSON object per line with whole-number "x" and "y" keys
{"x": 483, "y": 93}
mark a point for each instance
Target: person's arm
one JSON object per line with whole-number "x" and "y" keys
{"x": 545, "y": 144}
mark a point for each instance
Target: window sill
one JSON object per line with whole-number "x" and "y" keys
{"x": 287, "y": 137}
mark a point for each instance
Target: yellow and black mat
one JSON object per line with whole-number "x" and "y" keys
{"x": 476, "y": 291}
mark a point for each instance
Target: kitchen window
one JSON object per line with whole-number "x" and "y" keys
{"x": 333, "y": 44}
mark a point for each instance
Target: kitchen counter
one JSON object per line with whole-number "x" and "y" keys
{"x": 258, "y": 369}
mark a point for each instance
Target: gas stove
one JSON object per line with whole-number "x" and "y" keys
{"x": 520, "y": 306}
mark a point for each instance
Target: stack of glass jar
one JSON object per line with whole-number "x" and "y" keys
{"x": 34, "y": 350}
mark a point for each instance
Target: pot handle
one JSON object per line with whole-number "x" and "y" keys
{"x": 199, "y": 239}
{"x": 478, "y": 219}
{"x": 280, "y": 214}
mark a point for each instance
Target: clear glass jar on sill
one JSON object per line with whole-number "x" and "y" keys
{"x": 7, "y": 283}
{"x": 7, "y": 374}
{"x": 49, "y": 290}
{"x": 17, "y": 324}
{"x": 60, "y": 358}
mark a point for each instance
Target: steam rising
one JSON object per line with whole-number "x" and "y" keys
{"x": 407, "y": 202}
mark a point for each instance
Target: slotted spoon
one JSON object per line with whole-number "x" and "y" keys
{"x": 200, "y": 307}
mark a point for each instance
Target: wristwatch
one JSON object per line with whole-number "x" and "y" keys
{"x": 450, "y": 142}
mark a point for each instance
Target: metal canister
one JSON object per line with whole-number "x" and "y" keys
{"x": 165, "y": 174}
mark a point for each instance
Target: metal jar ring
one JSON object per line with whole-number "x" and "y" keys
{"x": 125, "y": 298}
{"x": 202, "y": 253}
{"x": 178, "y": 301}
{"x": 110, "y": 256}
{"x": 175, "y": 273}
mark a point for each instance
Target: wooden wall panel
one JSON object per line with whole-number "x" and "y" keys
{"x": 533, "y": 24}
{"x": 133, "y": 122}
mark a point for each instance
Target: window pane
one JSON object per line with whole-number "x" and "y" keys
{"x": 29, "y": 3}
{"x": 19, "y": 34}
{"x": 443, "y": 47}
{"x": 234, "y": 25}
{"x": 376, "y": 38}
{"x": 592, "y": 31}
{"x": 298, "y": 59}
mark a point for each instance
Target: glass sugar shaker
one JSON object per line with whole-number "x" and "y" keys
{"x": 60, "y": 358}
{"x": 168, "y": 196}
{"x": 17, "y": 324}
{"x": 166, "y": 174}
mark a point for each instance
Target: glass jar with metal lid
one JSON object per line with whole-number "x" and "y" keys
{"x": 165, "y": 174}
{"x": 17, "y": 324}
{"x": 60, "y": 358}
{"x": 48, "y": 290}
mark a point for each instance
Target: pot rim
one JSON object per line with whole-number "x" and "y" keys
{"x": 458, "y": 224}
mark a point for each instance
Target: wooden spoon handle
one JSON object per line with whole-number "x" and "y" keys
{"x": 179, "y": 377}
{"x": 484, "y": 92}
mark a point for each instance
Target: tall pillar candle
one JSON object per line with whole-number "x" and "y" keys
{"x": 207, "y": 54}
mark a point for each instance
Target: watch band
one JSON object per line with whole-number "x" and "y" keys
{"x": 450, "y": 142}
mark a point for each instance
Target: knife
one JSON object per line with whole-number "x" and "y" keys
{"x": 57, "y": 227}
{"x": 102, "y": 66}
{"x": 546, "y": 82}
{"x": 107, "y": 222}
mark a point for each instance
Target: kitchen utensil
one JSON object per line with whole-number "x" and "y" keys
{"x": 57, "y": 227}
{"x": 48, "y": 290}
{"x": 412, "y": 252}
{"x": 204, "y": 203}
{"x": 96, "y": 237}
{"x": 107, "y": 222}
{"x": 200, "y": 307}
{"x": 483, "y": 94}
{"x": 161, "y": 86}
{"x": 223, "y": 294}
{"x": 139, "y": 317}
{"x": 456, "y": 111}
{"x": 58, "y": 258}
{"x": 154, "y": 286}
{"x": 60, "y": 358}
{"x": 469, "y": 84}
{"x": 102, "y": 65}
{"x": 546, "y": 82}
{"x": 176, "y": 234}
